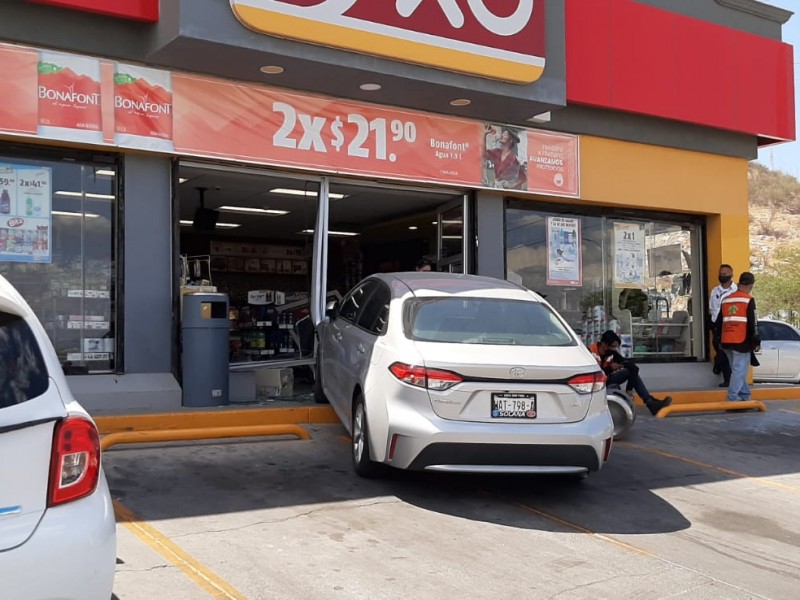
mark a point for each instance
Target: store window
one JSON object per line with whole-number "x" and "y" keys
{"x": 633, "y": 275}
{"x": 57, "y": 222}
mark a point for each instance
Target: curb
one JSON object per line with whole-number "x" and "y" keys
{"x": 238, "y": 417}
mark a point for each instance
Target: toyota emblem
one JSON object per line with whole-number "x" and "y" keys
{"x": 517, "y": 372}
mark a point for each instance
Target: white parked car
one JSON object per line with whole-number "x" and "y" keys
{"x": 461, "y": 373}
{"x": 57, "y": 529}
{"x": 780, "y": 352}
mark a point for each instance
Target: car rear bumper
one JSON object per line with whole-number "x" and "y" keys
{"x": 71, "y": 555}
{"x": 429, "y": 442}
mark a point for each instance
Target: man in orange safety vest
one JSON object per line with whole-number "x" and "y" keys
{"x": 737, "y": 326}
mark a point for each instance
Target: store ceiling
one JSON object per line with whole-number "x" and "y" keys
{"x": 364, "y": 208}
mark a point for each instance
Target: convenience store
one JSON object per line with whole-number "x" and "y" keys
{"x": 604, "y": 166}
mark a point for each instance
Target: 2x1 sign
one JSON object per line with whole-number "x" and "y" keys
{"x": 505, "y": 42}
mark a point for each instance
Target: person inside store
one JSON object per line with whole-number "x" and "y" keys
{"x": 725, "y": 288}
{"x": 621, "y": 370}
{"x": 509, "y": 173}
{"x": 424, "y": 264}
{"x": 737, "y": 328}
{"x": 636, "y": 301}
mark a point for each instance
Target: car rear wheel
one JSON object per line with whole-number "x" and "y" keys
{"x": 319, "y": 393}
{"x": 362, "y": 461}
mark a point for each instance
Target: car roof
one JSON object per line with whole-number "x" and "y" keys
{"x": 433, "y": 283}
{"x": 11, "y": 301}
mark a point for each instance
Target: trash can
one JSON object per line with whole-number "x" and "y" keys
{"x": 204, "y": 360}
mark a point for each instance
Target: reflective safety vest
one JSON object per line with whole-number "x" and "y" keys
{"x": 734, "y": 317}
{"x": 595, "y": 350}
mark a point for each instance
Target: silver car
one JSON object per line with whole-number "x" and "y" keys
{"x": 446, "y": 372}
{"x": 780, "y": 352}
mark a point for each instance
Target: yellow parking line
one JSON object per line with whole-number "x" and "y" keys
{"x": 723, "y": 470}
{"x": 579, "y": 528}
{"x": 199, "y": 573}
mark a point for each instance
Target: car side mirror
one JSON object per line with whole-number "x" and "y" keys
{"x": 332, "y": 309}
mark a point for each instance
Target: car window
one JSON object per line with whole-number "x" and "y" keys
{"x": 766, "y": 331}
{"x": 23, "y": 374}
{"x": 355, "y": 300}
{"x": 784, "y": 332}
{"x": 493, "y": 321}
{"x": 376, "y": 311}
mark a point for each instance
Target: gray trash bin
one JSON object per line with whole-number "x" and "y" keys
{"x": 204, "y": 361}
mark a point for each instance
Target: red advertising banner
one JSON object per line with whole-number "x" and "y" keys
{"x": 216, "y": 118}
{"x": 19, "y": 108}
{"x": 61, "y": 96}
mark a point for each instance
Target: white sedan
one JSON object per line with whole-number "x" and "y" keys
{"x": 436, "y": 371}
{"x": 57, "y": 530}
{"x": 780, "y": 352}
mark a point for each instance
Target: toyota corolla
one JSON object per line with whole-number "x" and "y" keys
{"x": 446, "y": 372}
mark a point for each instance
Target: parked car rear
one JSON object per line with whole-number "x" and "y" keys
{"x": 57, "y": 529}
{"x": 461, "y": 373}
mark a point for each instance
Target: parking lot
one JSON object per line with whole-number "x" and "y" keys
{"x": 701, "y": 506}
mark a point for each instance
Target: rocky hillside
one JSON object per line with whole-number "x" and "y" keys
{"x": 774, "y": 214}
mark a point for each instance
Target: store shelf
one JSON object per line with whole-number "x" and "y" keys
{"x": 264, "y": 352}
{"x": 255, "y": 325}
{"x": 89, "y": 356}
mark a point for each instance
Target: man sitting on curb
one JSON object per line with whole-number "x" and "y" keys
{"x": 620, "y": 370}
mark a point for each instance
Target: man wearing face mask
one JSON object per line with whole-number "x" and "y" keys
{"x": 725, "y": 288}
{"x": 738, "y": 327}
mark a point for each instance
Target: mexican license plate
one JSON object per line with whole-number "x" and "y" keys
{"x": 514, "y": 405}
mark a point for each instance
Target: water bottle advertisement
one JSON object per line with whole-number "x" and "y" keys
{"x": 25, "y": 214}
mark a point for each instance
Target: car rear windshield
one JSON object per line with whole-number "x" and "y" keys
{"x": 494, "y": 321}
{"x": 23, "y": 374}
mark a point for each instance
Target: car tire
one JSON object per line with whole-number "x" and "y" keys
{"x": 362, "y": 461}
{"x": 574, "y": 478}
{"x": 319, "y": 393}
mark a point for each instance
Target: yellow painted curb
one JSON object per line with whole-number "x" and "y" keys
{"x": 721, "y": 395}
{"x": 710, "y": 407}
{"x": 218, "y": 417}
{"x": 205, "y": 433}
{"x": 225, "y": 416}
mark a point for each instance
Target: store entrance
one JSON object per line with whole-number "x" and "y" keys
{"x": 252, "y": 234}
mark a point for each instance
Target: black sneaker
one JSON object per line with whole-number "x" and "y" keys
{"x": 655, "y": 405}
{"x": 724, "y": 385}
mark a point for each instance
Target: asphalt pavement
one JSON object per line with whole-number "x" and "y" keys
{"x": 696, "y": 506}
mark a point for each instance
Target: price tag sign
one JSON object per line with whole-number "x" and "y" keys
{"x": 313, "y": 132}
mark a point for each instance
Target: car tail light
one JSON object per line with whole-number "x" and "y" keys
{"x": 607, "y": 449}
{"x": 432, "y": 379}
{"x": 75, "y": 461}
{"x": 588, "y": 383}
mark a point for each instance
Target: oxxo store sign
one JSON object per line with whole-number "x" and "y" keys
{"x": 497, "y": 39}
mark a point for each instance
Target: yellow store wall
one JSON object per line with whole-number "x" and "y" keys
{"x": 647, "y": 177}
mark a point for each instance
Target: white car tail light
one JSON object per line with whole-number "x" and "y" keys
{"x": 432, "y": 379}
{"x": 75, "y": 461}
{"x": 588, "y": 383}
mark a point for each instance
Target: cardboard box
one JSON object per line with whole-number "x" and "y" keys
{"x": 274, "y": 383}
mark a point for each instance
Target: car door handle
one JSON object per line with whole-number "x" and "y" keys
{"x": 361, "y": 349}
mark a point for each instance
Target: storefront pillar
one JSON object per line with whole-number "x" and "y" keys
{"x": 145, "y": 311}
{"x": 490, "y": 225}
{"x": 728, "y": 242}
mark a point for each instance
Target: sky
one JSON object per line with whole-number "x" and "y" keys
{"x": 786, "y": 157}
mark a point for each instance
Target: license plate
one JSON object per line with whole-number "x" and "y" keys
{"x": 514, "y": 405}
